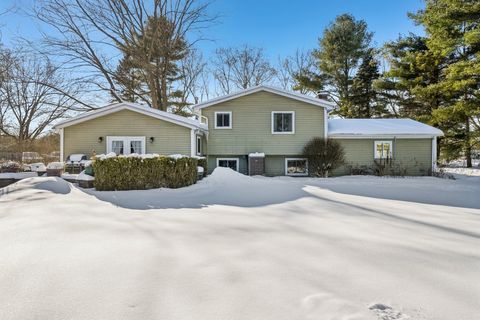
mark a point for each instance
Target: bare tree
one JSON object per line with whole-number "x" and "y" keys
{"x": 33, "y": 94}
{"x": 292, "y": 67}
{"x": 193, "y": 69}
{"x": 241, "y": 68}
{"x": 92, "y": 35}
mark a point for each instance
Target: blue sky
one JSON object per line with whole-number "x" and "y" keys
{"x": 279, "y": 26}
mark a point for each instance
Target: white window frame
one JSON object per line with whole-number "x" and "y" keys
{"x": 229, "y": 159}
{"x": 273, "y": 122}
{"x": 199, "y": 146}
{"x": 295, "y": 174}
{"x": 126, "y": 142}
{"x": 382, "y": 142}
{"x": 223, "y": 112}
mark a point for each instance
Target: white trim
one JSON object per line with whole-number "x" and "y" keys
{"x": 162, "y": 115}
{"x": 61, "y": 145}
{"x": 230, "y": 117}
{"x": 193, "y": 142}
{"x": 198, "y": 142}
{"x": 382, "y": 142}
{"x": 325, "y": 123}
{"x": 296, "y": 96}
{"x": 293, "y": 122}
{"x": 295, "y": 174}
{"x": 230, "y": 159}
{"x": 126, "y": 142}
{"x": 381, "y": 136}
{"x": 434, "y": 154}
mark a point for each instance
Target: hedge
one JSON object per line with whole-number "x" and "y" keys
{"x": 135, "y": 173}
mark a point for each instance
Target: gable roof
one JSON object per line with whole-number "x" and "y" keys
{"x": 292, "y": 95}
{"x": 145, "y": 110}
{"x": 380, "y": 127}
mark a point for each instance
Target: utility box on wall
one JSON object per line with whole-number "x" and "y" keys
{"x": 256, "y": 164}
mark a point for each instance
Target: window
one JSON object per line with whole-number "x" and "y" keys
{"x": 199, "y": 145}
{"x": 383, "y": 149}
{"x": 231, "y": 163}
{"x": 283, "y": 122}
{"x": 125, "y": 145}
{"x": 296, "y": 167}
{"x": 223, "y": 120}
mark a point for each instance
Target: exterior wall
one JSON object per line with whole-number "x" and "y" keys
{"x": 170, "y": 138}
{"x": 414, "y": 155}
{"x": 251, "y": 125}
{"x": 274, "y": 165}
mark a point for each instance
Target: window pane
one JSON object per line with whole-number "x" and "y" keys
{"x": 223, "y": 120}
{"x": 282, "y": 122}
{"x": 117, "y": 147}
{"x": 383, "y": 149}
{"x": 136, "y": 147}
{"x": 232, "y": 164}
{"x": 199, "y": 145}
{"x": 297, "y": 167}
{"x": 287, "y": 122}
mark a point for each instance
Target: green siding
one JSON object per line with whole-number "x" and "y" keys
{"x": 415, "y": 155}
{"x": 170, "y": 138}
{"x": 251, "y": 125}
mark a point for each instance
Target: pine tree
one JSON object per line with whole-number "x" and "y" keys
{"x": 343, "y": 45}
{"x": 453, "y": 29}
{"x": 364, "y": 95}
{"x": 149, "y": 68}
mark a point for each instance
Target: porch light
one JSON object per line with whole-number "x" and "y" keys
{"x": 152, "y": 139}
{"x": 100, "y": 139}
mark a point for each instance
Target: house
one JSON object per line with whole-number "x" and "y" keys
{"x": 261, "y": 130}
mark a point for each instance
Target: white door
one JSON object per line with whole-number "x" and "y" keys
{"x": 125, "y": 145}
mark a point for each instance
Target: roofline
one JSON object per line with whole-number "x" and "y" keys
{"x": 293, "y": 95}
{"x": 112, "y": 108}
{"x": 384, "y": 136}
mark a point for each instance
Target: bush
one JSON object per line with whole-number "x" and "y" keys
{"x": 323, "y": 156}
{"x": 11, "y": 167}
{"x": 136, "y": 173}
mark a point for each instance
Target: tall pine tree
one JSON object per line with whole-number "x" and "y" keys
{"x": 342, "y": 46}
{"x": 453, "y": 30}
{"x": 364, "y": 95}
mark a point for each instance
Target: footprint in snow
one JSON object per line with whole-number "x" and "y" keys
{"x": 326, "y": 306}
{"x": 385, "y": 312}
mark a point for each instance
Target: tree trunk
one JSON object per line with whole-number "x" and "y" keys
{"x": 468, "y": 146}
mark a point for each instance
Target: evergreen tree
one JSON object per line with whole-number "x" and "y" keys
{"x": 149, "y": 68}
{"x": 407, "y": 85}
{"x": 453, "y": 29}
{"x": 364, "y": 95}
{"x": 343, "y": 45}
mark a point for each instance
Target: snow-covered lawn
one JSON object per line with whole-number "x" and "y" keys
{"x": 235, "y": 247}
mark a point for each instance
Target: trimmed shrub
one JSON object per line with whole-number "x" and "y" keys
{"x": 135, "y": 173}
{"x": 323, "y": 156}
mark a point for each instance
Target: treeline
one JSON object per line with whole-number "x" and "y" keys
{"x": 147, "y": 52}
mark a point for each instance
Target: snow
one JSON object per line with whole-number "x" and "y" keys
{"x": 239, "y": 247}
{"x": 37, "y": 167}
{"x": 106, "y": 156}
{"x": 17, "y": 175}
{"x": 200, "y": 169}
{"x": 55, "y": 165}
{"x": 177, "y": 156}
{"x": 77, "y": 157}
{"x": 257, "y": 155}
{"x": 458, "y": 167}
{"x": 69, "y": 176}
{"x": 85, "y": 177}
{"x": 339, "y": 127}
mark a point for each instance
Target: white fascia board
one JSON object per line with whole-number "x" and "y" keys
{"x": 382, "y": 136}
{"x": 126, "y": 106}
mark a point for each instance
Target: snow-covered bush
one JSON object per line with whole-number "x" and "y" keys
{"x": 55, "y": 166}
{"x": 139, "y": 173}
{"x": 323, "y": 156}
{"x": 10, "y": 166}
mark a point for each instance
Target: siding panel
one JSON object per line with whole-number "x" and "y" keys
{"x": 251, "y": 120}
{"x": 169, "y": 138}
